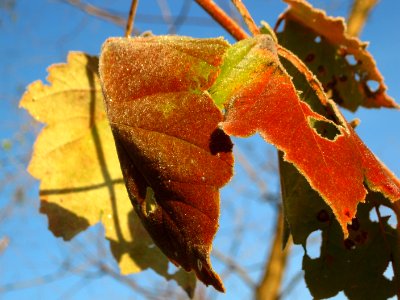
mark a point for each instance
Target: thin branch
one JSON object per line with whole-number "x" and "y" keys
{"x": 359, "y": 14}
{"x": 251, "y": 172}
{"x": 45, "y": 279}
{"x": 119, "y": 20}
{"x": 97, "y": 12}
{"x": 223, "y": 19}
{"x": 3, "y": 243}
{"x": 246, "y": 17}
{"x": 127, "y": 281}
{"x": 166, "y": 15}
{"x": 234, "y": 266}
{"x": 270, "y": 284}
{"x": 131, "y": 18}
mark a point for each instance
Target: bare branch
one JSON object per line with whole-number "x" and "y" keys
{"x": 359, "y": 14}
{"x": 246, "y": 17}
{"x": 270, "y": 284}
{"x": 97, "y": 12}
{"x": 131, "y": 18}
{"x": 223, "y": 19}
{"x": 233, "y": 265}
{"x": 3, "y": 243}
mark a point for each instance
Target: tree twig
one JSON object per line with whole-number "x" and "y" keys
{"x": 270, "y": 284}
{"x": 131, "y": 18}
{"x": 246, "y": 17}
{"x": 232, "y": 264}
{"x": 97, "y": 12}
{"x": 223, "y": 19}
{"x": 359, "y": 14}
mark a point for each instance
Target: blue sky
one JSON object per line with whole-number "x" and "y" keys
{"x": 36, "y": 34}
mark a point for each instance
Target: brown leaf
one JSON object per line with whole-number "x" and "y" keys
{"x": 173, "y": 156}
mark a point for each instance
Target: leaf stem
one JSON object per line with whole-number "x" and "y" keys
{"x": 223, "y": 19}
{"x": 251, "y": 25}
{"x": 131, "y": 18}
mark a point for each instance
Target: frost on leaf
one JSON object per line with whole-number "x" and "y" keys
{"x": 310, "y": 131}
{"x": 76, "y": 162}
{"x": 345, "y": 68}
{"x": 355, "y": 265}
{"x": 173, "y": 155}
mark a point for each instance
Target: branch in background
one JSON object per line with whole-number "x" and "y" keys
{"x": 3, "y": 243}
{"x": 358, "y": 16}
{"x": 119, "y": 20}
{"x": 131, "y": 18}
{"x": 127, "y": 281}
{"x": 270, "y": 284}
{"x": 97, "y": 12}
{"x": 252, "y": 173}
{"x": 223, "y": 19}
{"x": 248, "y": 20}
{"x": 234, "y": 266}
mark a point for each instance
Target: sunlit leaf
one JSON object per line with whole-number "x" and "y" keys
{"x": 346, "y": 69}
{"x": 173, "y": 155}
{"x": 76, "y": 162}
{"x": 355, "y": 265}
{"x": 259, "y": 96}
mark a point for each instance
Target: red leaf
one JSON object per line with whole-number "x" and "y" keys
{"x": 173, "y": 156}
{"x": 326, "y": 151}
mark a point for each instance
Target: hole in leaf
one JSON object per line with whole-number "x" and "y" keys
{"x": 351, "y": 60}
{"x": 389, "y": 273}
{"x": 357, "y": 77}
{"x": 373, "y": 85}
{"x": 172, "y": 269}
{"x": 313, "y": 244}
{"x": 280, "y": 26}
{"x": 317, "y": 39}
{"x": 310, "y": 57}
{"x": 388, "y": 212}
{"x": 373, "y": 215}
{"x": 325, "y": 129}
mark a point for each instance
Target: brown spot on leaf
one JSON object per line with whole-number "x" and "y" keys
{"x": 349, "y": 244}
{"x": 323, "y": 216}
{"x": 309, "y": 58}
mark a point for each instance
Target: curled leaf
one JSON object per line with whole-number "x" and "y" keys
{"x": 355, "y": 265}
{"x": 345, "y": 68}
{"x": 259, "y": 96}
{"x": 172, "y": 154}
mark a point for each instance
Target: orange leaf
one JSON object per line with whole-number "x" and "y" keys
{"x": 173, "y": 157}
{"x": 322, "y": 146}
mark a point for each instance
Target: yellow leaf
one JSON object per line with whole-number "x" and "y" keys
{"x": 75, "y": 159}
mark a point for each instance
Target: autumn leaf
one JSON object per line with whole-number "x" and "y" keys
{"x": 76, "y": 162}
{"x": 345, "y": 68}
{"x": 259, "y": 96}
{"x": 172, "y": 154}
{"x": 355, "y": 265}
